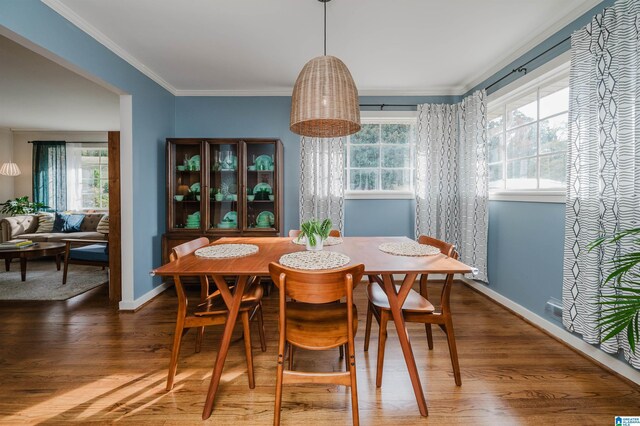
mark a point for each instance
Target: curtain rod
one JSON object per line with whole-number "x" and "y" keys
{"x": 382, "y": 106}
{"x": 523, "y": 67}
{"x": 71, "y": 142}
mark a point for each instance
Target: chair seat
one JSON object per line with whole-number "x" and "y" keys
{"x": 313, "y": 326}
{"x": 413, "y": 303}
{"x": 90, "y": 253}
{"x": 216, "y": 306}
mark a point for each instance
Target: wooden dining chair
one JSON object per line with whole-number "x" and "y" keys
{"x": 213, "y": 311}
{"x": 313, "y": 322}
{"x": 417, "y": 308}
{"x": 293, "y": 233}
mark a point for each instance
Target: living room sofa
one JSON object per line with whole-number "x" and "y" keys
{"x": 25, "y": 226}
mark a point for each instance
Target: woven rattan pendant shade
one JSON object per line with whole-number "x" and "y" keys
{"x": 325, "y": 102}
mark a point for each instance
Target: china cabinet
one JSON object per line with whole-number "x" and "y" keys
{"x": 222, "y": 187}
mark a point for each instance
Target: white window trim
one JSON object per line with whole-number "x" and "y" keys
{"x": 382, "y": 117}
{"x": 551, "y": 70}
{"x": 531, "y": 196}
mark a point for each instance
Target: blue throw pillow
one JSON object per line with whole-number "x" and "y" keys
{"x": 67, "y": 222}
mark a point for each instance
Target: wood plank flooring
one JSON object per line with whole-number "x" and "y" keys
{"x": 82, "y": 361}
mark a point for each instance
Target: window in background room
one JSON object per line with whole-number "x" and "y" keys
{"x": 528, "y": 138}
{"x": 380, "y": 159}
{"x": 87, "y": 176}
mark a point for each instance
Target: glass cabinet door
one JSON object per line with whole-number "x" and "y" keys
{"x": 261, "y": 186}
{"x": 185, "y": 187}
{"x": 223, "y": 186}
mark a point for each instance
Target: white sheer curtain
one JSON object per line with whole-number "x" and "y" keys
{"x": 451, "y": 177}
{"x": 603, "y": 175}
{"x": 74, "y": 176}
{"x": 322, "y": 180}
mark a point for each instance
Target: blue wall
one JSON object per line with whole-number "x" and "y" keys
{"x": 153, "y": 117}
{"x": 268, "y": 116}
{"x": 526, "y": 243}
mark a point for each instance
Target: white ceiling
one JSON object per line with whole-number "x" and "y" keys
{"x": 257, "y": 47}
{"x": 37, "y": 94}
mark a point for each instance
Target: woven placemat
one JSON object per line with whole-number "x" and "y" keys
{"x": 409, "y": 249}
{"x": 330, "y": 241}
{"x": 226, "y": 251}
{"x": 314, "y": 260}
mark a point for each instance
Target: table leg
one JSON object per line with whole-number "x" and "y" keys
{"x": 7, "y": 264}
{"x": 58, "y": 256}
{"x": 224, "y": 342}
{"x": 23, "y": 268}
{"x": 398, "y": 319}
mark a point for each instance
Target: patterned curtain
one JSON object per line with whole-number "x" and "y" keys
{"x": 50, "y": 174}
{"x": 451, "y": 177}
{"x": 322, "y": 180}
{"x": 603, "y": 176}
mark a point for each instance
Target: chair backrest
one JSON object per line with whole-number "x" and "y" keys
{"x": 183, "y": 250}
{"x": 295, "y": 232}
{"x": 188, "y": 247}
{"x": 315, "y": 286}
{"x": 445, "y": 248}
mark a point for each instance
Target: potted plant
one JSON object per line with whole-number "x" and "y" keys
{"x": 622, "y": 310}
{"x": 315, "y": 233}
{"x": 21, "y": 205}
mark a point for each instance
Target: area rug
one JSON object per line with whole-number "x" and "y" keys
{"x": 44, "y": 282}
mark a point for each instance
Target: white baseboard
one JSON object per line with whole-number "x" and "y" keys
{"x": 132, "y": 305}
{"x": 560, "y": 333}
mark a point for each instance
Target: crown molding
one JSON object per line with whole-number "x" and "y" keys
{"x": 66, "y": 12}
{"x": 507, "y": 59}
{"x": 446, "y": 91}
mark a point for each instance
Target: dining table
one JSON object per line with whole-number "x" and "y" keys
{"x": 380, "y": 266}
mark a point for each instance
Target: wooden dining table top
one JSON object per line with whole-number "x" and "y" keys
{"x": 359, "y": 249}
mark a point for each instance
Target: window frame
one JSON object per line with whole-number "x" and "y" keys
{"x": 554, "y": 70}
{"x": 382, "y": 117}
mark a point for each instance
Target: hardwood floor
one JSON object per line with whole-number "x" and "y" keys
{"x": 81, "y": 361}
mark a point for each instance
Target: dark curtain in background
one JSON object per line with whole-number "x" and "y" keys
{"x": 50, "y": 174}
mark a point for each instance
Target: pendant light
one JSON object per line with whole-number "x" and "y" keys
{"x": 10, "y": 169}
{"x": 324, "y": 103}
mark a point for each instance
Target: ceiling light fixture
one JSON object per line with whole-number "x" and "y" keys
{"x": 10, "y": 169}
{"x": 324, "y": 103}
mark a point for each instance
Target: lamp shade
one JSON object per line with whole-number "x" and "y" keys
{"x": 325, "y": 101}
{"x": 10, "y": 169}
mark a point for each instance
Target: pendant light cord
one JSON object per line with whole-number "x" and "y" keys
{"x": 325, "y": 28}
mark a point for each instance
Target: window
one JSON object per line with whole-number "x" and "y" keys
{"x": 95, "y": 178}
{"x": 528, "y": 135}
{"x": 379, "y": 159}
{"x": 87, "y": 176}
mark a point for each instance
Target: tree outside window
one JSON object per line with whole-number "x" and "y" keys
{"x": 380, "y": 157}
{"x": 528, "y": 139}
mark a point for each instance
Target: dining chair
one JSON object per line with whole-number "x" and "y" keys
{"x": 84, "y": 252}
{"x": 314, "y": 321}
{"x": 213, "y": 311}
{"x": 293, "y": 233}
{"x": 417, "y": 308}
